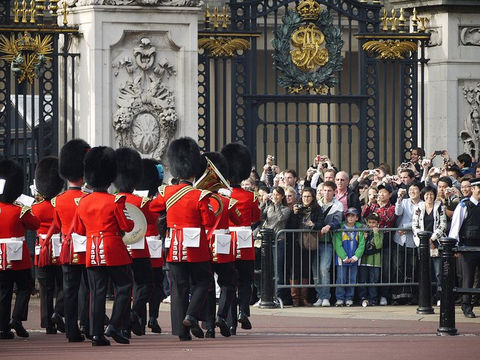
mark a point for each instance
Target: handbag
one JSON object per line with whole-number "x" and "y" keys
{"x": 309, "y": 241}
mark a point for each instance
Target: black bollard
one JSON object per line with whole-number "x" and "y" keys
{"x": 447, "y": 300}
{"x": 268, "y": 285}
{"x": 425, "y": 275}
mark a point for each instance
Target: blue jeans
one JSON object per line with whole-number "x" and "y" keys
{"x": 321, "y": 264}
{"x": 346, "y": 275}
{"x": 368, "y": 275}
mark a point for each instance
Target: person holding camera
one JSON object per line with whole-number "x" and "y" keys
{"x": 371, "y": 202}
{"x": 269, "y": 171}
{"x": 309, "y": 216}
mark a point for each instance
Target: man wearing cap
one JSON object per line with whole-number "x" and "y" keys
{"x": 466, "y": 229}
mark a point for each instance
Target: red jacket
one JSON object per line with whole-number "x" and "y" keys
{"x": 230, "y": 215}
{"x": 248, "y": 206}
{"x": 65, "y": 206}
{"x": 152, "y": 230}
{"x": 14, "y": 219}
{"x": 190, "y": 211}
{"x": 100, "y": 216}
{"x": 43, "y": 210}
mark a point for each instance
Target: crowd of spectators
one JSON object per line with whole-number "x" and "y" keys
{"x": 343, "y": 217}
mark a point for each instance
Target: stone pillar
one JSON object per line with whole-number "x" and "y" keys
{"x": 137, "y": 73}
{"x": 452, "y": 76}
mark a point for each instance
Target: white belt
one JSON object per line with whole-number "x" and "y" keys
{"x": 221, "y": 231}
{"x": 152, "y": 238}
{"x": 7, "y": 240}
{"x": 44, "y": 236}
{"x": 240, "y": 228}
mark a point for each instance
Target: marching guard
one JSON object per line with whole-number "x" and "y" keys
{"x": 15, "y": 260}
{"x": 189, "y": 256}
{"x": 240, "y": 163}
{"x": 129, "y": 173}
{"x": 221, "y": 243}
{"x": 100, "y": 216}
{"x": 72, "y": 255}
{"x": 47, "y": 252}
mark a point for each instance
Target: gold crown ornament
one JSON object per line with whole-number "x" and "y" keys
{"x": 309, "y": 10}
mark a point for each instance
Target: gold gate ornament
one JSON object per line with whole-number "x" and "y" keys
{"x": 308, "y": 55}
{"x": 389, "y": 49}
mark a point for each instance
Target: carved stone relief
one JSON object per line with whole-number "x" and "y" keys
{"x": 135, "y": 2}
{"x": 471, "y": 133}
{"x": 146, "y": 117}
{"x": 435, "y": 37}
{"x": 470, "y": 36}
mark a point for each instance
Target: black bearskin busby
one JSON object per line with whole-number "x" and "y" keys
{"x": 184, "y": 158}
{"x": 47, "y": 180}
{"x": 151, "y": 177}
{"x": 218, "y": 160}
{"x": 12, "y": 173}
{"x": 239, "y": 162}
{"x": 100, "y": 167}
{"x": 129, "y": 169}
{"x": 71, "y": 159}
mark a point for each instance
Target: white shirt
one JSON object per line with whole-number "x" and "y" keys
{"x": 459, "y": 215}
{"x": 404, "y": 211}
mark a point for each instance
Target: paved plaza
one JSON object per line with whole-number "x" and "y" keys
{"x": 395, "y": 332}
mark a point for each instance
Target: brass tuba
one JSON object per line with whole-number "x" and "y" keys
{"x": 211, "y": 179}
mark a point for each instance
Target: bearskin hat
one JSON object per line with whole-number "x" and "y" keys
{"x": 218, "y": 160}
{"x": 239, "y": 162}
{"x": 47, "y": 180}
{"x": 100, "y": 167}
{"x": 151, "y": 177}
{"x": 71, "y": 159}
{"x": 12, "y": 173}
{"x": 129, "y": 169}
{"x": 183, "y": 157}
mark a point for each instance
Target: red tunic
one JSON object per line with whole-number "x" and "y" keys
{"x": 100, "y": 216}
{"x": 248, "y": 206}
{"x": 152, "y": 231}
{"x": 14, "y": 220}
{"x": 65, "y": 206}
{"x": 190, "y": 211}
{"x": 230, "y": 214}
{"x": 43, "y": 210}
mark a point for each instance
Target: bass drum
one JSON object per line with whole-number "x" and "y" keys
{"x": 140, "y": 228}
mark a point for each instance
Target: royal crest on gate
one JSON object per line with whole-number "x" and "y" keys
{"x": 308, "y": 49}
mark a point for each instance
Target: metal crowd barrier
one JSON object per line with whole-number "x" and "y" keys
{"x": 284, "y": 259}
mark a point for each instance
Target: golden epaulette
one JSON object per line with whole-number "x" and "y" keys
{"x": 231, "y": 203}
{"x": 119, "y": 196}
{"x": 161, "y": 189}
{"x": 204, "y": 193}
{"x": 25, "y": 209}
{"x": 145, "y": 200}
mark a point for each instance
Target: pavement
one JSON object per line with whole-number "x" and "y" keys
{"x": 299, "y": 333}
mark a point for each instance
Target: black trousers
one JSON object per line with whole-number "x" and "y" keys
{"x": 157, "y": 294}
{"x": 98, "y": 281}
{"x": 143, "y": 278}
{"x": 243, "y": 282}
{"x": 469, "y": 262}
{"x": 50, "y": 277}
{"x": 23, "y": 280}
{"x": 76, "y": 297}
{"x": 183, "y": 274}
{"x": 226, "y": 273}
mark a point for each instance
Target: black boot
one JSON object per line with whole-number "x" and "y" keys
{"x": 192, "y": 323}
{"x": 153, "y": 324}
{"x": 100, "y": 341}
{"x": 243, "y": 320}
{"x": 6, "y": 335}
{"x": 222, "y": 325}
{"x": 19, "y": 329}
{"x": 57, "y": 320}
{"x": 110, "y": 331}
{"x": 210, "y": 333}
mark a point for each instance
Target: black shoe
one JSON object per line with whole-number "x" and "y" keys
{"x": 110, "y": 331}
{"x": 192, "y": 323}
{"x": 126, "y": 333}
{"x": 51, "y": 330}
{"x": 468, "y": 311}
{"x": 84, "y": 330}
{"x": 210, "y": 333}
{"x": 233, "y": 330}
{"x": 100, "y": 341}
{"x": 222, "y": 325}
{"x": 185, "y": 337}
{"x": 57, "y": 320}
{"x": 153, "y": 324}
{"x": 6, "y": 335}
{"x": 136, "y": 324}
{"x": 19, "y": 329}
{"x": 76, "y": 338}
{"x": 243, "y": 320}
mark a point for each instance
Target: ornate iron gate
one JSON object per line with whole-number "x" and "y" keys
{"x": 37, "y": 74}
{"x": 279, "y": 98}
